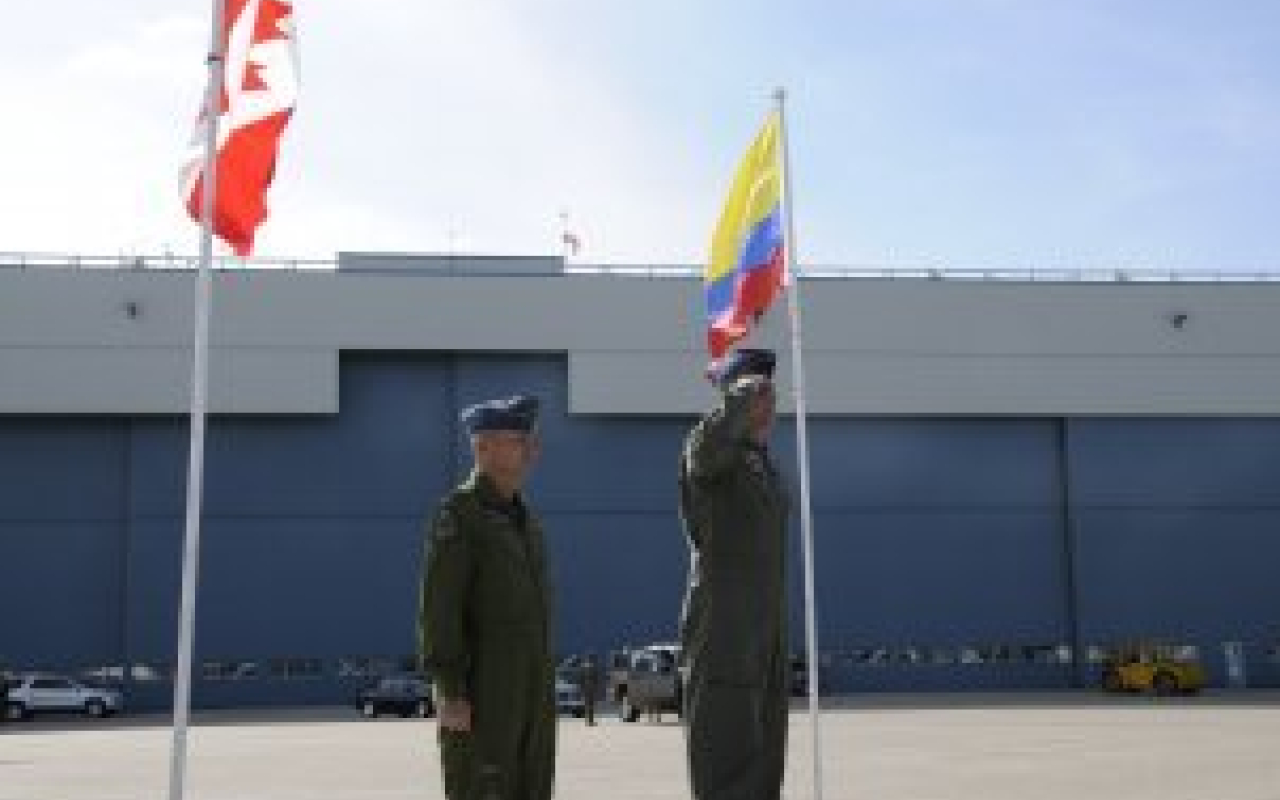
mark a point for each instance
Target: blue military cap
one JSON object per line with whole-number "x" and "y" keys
{"x": 517, "y": 413}
{"x": 740, "y": 363}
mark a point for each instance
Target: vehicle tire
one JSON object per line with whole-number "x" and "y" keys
{"x": 368, "y": 709}
{"x": 1112, "y": 683}
{"x": 96, "y": 709}
{"x": 15, "y": 711}
{"x": 1165, "y": 684}
{"x": 627, "y": 711}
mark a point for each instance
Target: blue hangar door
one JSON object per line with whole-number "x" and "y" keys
{"x": 1178, "y": 530}
{"x": 941, "y": 560}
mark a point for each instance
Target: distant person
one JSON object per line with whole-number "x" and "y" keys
{"x": 590, "y": 685}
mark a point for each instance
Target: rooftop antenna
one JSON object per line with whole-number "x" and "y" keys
{"x": 570, "y": 243}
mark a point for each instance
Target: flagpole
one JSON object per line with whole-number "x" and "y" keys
{"x": 802, "y": 445}
{"x": 199, "y": 403}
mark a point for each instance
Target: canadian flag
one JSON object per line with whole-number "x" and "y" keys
{"x": 260, "y": 89}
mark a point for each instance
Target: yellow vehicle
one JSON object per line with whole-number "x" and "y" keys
{"x": 1158, "y": 668}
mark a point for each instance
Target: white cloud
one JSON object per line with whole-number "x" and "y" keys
{"x": 90, "y": 165}
{"x": 420, "y": 127}
{"x": 461, "y": 119}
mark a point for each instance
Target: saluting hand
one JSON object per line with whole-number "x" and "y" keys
{"x": 455, "y": 715}
{"x": 752, "y": 385}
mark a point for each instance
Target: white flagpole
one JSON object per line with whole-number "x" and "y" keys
{"x": 802, "y": 445}
{"x": 199, "y": 402}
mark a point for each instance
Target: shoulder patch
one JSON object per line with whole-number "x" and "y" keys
{"x": 446, "y": 525}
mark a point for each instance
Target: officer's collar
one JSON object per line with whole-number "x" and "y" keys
{"x": 487, "y": 490}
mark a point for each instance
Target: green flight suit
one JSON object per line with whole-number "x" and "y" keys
{"x": 485, "y": 637}
{"x": 733, "y": 626}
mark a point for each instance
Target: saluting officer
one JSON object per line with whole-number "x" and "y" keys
{"x": 484, "y": 625}
{"x": 733, "y": 630}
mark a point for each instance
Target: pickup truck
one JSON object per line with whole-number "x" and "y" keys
{"x": 647, "y": 680}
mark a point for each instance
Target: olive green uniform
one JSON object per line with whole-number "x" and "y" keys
{"x": 486, "y": 638}
{"x": 733, "y": 628}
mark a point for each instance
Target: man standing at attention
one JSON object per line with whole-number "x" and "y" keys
{"x": 484, "y": 623}
{"x": 733, "y": 627}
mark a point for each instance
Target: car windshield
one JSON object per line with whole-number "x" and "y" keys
{"x": 50, "y": 683}
{"x": 400, "y": 684}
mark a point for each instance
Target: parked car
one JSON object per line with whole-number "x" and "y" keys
{"x": 647, "y": 680}
{"x": 570, "y": 669}
{"x": 569, "y": 698}
{"x": 6, "y": 681}
{"x": 1148, "y": 667}
{"x": 36, "y": 693}
{"x": 402, "y": 695}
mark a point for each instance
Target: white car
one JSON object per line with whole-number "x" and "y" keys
{"x": 36, "y": 694}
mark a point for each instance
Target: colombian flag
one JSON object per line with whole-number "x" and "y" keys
{"x": 746, "y": 270}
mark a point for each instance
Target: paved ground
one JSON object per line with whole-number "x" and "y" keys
{"x": 888, "y": 748}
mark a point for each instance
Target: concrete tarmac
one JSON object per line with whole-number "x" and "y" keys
{"x": 961, "y": 747}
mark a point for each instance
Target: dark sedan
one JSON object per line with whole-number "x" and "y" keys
{"x": 401, "y": 696}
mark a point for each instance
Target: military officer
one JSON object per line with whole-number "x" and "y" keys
{"x": 733, "y": 631}
{"x": 484, "y": 623}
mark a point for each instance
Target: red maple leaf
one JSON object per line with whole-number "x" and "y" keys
{"x": 265, "y": 28}
{"x": 270, "y": 14}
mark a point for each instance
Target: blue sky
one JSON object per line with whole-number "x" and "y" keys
{"x": 924, "y": 133}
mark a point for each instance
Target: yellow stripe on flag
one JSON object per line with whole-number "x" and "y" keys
{"x": 756, "y": 192}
